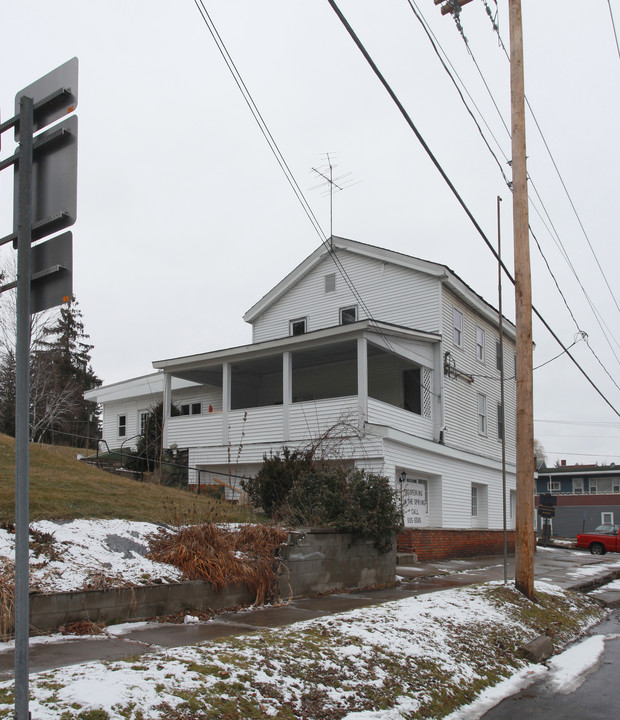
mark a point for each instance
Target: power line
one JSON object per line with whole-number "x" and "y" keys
{"x": 447, "y": 180}
{"x": 613, "y": 24}
{"x": 435, "y": 44}
{"x": 230, "y": 64}
{"x": 559, "y": 174}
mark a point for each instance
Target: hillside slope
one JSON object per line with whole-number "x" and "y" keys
{"x": 63, "y": 488}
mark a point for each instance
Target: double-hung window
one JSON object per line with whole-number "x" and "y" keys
{"x": 480, "y": 344}
{"x": 482, "y": 414}
{"x": 474, "y": 501}
{"x": 457, "y": 319}
{"x": 122, "y": 425}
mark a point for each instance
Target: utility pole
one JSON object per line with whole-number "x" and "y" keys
{"x": 525, "y": 540}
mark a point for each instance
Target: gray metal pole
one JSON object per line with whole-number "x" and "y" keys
{"x": 22, "y": 412}
{"x": 501, "y": 385}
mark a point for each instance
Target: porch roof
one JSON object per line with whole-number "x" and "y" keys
{"x": 200, "y": 367}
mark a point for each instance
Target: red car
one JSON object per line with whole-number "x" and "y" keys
{"x": 605, "y": 538}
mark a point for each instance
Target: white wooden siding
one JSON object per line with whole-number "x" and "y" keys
{"x": 461, "y": 396}
{"x": 195, "y": 430}
{"x": 380, "y": 413}
{"x": 309, "y": 420}
{"x": 449, "y": 485}
{"x": 392, "y": 293}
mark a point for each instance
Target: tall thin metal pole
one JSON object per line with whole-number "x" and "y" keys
{"x": 22, "y": 412}
{"x": 524, "y": 545}
{"x": 501, "y": 384}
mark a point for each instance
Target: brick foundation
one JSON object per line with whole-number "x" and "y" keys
{"x": 439, "y": 544}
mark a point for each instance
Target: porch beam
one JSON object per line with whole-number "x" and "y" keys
{"x": 287, "y": 392}
{"x": 362, "y": 380}
{"x": 226, "y": 399}
{"x": 165, "y": 413}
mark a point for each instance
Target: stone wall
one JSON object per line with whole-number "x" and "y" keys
{"x": 319, "y": 560}
{"x": 430, "y": 544}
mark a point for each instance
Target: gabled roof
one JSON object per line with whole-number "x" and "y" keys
{"x": 442, "y": 272}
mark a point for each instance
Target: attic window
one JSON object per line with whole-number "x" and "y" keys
{"x": 348, "y": 315}
{"x": 330, "y": 283}
{"x": 297, "y": 327}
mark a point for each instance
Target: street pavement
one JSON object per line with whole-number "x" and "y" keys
{"x": 567, "y": 568}
{"x": 597, "y": 698}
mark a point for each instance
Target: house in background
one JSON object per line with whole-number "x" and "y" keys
{"x": 586, "y": 496}
{"x": 386, "y": 361}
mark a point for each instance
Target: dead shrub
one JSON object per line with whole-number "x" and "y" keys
{"x": 7, "y": 598}
{"x": 223, "y": 557}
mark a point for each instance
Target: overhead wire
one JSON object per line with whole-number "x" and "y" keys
{"x": 452, "y": 187}
{"x": 249, "y": 100}
{"x": 559, "y": 174}
{"x": 613, "y": 24}
{"x": 607, "y": 333}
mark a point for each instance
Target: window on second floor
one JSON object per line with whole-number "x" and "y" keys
{"x": 578, "y": 486}
{"x": 348, "y": 315}
{"x": 480, "y": 337}
{"x": 482, "y": 414}
{"x": 330, "y": 283}
{"x": 297, "y": 327}
{"x": 500, "y": 422}
{"x": 498, "y": 355}
{"x": 457, "y": 319}
{"x": 553, "y": 486}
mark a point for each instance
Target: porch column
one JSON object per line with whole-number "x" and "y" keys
{"x": 439, "y": 420}
{"x": 362, "y": 381}
{"x": 287, "y": 392}
{"x": 226, "y": 386}
{"x": 165, "y": 411}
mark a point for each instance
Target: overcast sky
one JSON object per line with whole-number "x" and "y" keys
{"x": 185, "y": 219}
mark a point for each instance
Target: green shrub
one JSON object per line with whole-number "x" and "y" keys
{"x": 298, "y": 490}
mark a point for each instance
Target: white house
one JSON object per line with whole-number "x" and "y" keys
{"x": 395, "y": 358}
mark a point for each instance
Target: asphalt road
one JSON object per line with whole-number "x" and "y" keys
{"x": 598, "y": 698}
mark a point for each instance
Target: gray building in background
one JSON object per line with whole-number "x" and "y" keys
{"x": 586, "y": 496}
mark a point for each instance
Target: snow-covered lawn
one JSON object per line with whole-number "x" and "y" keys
{"x": 88, "y": 554}
{"x": 422, "y": 657}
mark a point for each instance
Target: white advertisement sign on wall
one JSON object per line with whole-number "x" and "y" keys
{"x": 415, "y": 503}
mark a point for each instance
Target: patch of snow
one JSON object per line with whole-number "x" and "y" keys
{"x": 568, "y": 670}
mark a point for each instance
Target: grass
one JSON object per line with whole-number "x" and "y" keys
{"x": 427, "y": 661}
{"x": 63, "y": 488}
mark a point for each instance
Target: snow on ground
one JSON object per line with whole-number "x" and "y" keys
{"x": 586, "y": 571}
{"x": 411, "y": 656}
{"x": 614, "y": 585}
{"x": 85, "y": 552}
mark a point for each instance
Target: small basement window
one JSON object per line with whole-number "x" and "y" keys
{"x": 297, "y": 327}
{"x": 348, "y": 315}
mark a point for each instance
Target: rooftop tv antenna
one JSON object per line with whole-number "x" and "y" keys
{"x": 334, "y": 184}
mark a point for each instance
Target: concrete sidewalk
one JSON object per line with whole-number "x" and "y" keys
{"x": 569, "y": 569}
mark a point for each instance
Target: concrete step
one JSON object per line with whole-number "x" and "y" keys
{"x": 406, "y": 560}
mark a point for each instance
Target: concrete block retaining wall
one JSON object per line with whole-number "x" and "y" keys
{"x": 313, "y": 561}
{"x": 319, "y": 560}
{"x": 438, "y": 544}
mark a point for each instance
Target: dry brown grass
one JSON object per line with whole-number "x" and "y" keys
{"x": 223, "y": 557}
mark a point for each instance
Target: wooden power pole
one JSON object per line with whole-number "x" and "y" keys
{"x": 525, "y": 539}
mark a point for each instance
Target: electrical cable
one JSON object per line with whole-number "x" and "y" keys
{"x": 613, "y": 24}
{"x": 559, "y": 174}
{"x": 447, "y": 180}
{"x": 285, "y": 167}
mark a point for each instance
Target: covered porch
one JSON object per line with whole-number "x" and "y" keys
{"x": 296, "y": 388}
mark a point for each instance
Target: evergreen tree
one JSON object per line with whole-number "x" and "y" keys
{"x": 61, "y": 373}
{"x": 7, "y": 393}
